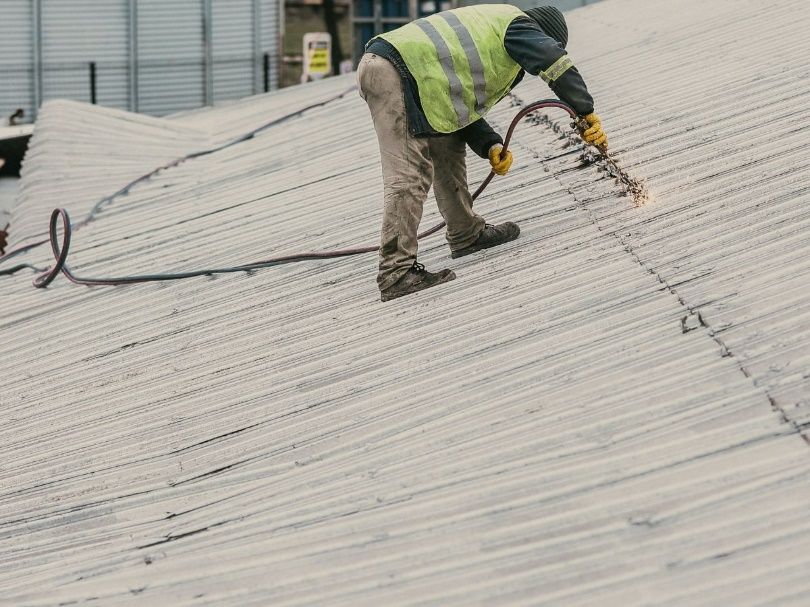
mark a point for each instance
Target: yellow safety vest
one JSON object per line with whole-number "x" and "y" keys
{"x": 459, "y": 62}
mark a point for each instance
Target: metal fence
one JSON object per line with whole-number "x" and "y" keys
{"x": 151, "y": 56}
{"x": 107, "y": 82}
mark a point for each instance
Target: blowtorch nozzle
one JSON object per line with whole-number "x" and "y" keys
{"x": 581, "y": 125}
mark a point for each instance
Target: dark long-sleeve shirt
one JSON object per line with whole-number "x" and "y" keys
{"x": 530, "y": 47}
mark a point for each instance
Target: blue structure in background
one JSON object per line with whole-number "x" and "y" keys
{"x": 373, "y": 17}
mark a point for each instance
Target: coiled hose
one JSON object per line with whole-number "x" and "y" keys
{"x": 60, "y": 251}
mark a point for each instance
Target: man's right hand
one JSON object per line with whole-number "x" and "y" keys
{"x": 595, "y": 135}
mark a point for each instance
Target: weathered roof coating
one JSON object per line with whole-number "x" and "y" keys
{"x": 611, "y": 410}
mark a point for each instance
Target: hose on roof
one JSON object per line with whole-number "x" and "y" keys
{"x": 60, "y": 250}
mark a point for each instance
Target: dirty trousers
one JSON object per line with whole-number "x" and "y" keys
{"x": 410, "y": 165}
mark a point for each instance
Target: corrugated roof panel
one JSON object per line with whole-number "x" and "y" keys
{"x": 137, "y": 144}
{"x": 728, "y": 161}
{"x": 606, "y": 411}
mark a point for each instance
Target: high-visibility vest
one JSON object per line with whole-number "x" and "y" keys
{"x": 459, "y": 62}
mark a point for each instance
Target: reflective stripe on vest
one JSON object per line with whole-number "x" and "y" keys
{"x": 562, "y": 65}
{"x": 446, "y": 61}
{"x": 473, "y": 58}
{"x": 458, "y": 61}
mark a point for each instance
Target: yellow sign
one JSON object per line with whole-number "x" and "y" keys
{"x": 319, "y": 61}
{"x": 317, "y": 55}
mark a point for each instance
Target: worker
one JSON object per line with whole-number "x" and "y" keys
{"x": 428, "y": 85}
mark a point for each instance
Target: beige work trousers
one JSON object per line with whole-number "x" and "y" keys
{"x": 410, "y": 165}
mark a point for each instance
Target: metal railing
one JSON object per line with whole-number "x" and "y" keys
{"x": 111, "y": 82}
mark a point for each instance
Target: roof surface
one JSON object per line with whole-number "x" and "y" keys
{"x": 611, "y": 410}
{"x": 12, "y": 132}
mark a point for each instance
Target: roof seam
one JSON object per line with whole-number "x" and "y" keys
{"x": 636, "y": 188}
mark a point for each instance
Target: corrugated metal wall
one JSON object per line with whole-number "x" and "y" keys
{"x": 171, "y": 70}
{"x": 16, "y": 57}
{"x": 151, "y": 55}
{"x": 233, "y": 49}
{"x": 76, "y": 33}
{"x": 270, "y": 31}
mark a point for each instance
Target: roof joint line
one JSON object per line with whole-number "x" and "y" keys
{"x": 692, "y": 320}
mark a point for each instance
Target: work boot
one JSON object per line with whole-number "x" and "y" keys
{"x": 416, "y": 279}
{"x": 490, "y": 236}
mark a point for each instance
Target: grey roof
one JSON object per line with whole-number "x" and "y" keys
{"x": 12, "y": 132}
{"x": 611, "y": 410}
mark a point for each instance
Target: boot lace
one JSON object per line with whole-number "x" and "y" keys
{"x": 418, "y": 267}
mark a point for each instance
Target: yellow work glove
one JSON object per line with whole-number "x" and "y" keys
{"x": 595, "y": 135}
{"x": 500, "y": 163}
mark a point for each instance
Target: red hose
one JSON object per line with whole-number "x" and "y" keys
{"x": 60, "y": 252}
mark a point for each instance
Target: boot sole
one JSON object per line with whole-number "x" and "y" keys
{"x": 480, "y": 247}
{"x": 390, "y": 296}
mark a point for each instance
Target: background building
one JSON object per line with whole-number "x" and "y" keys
{"x": 305, "y": 16}
{"x": 164, "y": 56}
{"x": 149, "y": 56}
